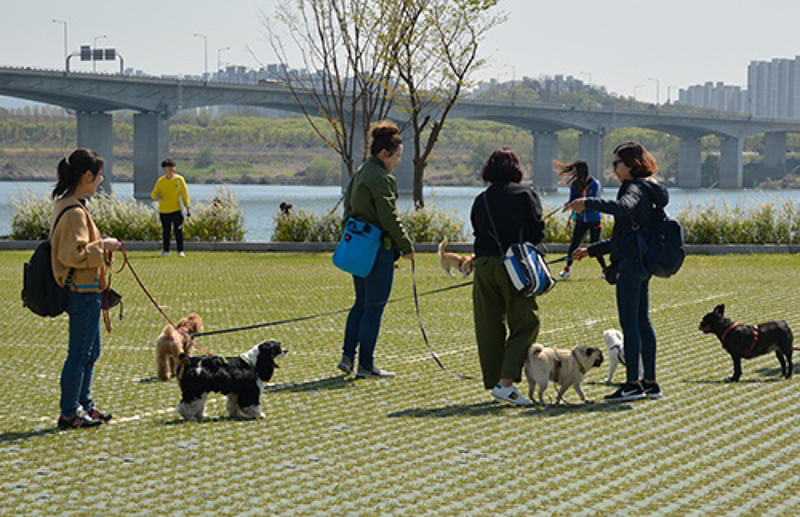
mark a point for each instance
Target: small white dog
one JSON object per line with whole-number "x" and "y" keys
{"x": 615, "y": 344}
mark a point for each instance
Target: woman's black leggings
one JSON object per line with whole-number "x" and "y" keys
{"x": 167, "y": 222}
{"x": 578, "y": 232}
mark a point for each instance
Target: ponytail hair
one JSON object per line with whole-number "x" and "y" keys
{"x": 576, "y": 173}
{"x": 385, "y": 136}
{"x": 634, "y": 155}
{"x": 71, "y": 169}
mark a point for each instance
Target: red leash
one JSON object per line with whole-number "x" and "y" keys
{"x": 127, "y": 262}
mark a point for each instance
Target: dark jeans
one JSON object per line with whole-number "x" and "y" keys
{"x": 84, "y": 349}
{"x": 578, "y": 232}
{"x": 167, "y": 222}
{"x": 364, "y": 320}
{"x": 633, "y": 304}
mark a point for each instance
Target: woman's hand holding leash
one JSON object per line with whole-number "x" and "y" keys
{"x": 576, "y": 205}
{"x": 580, "y": 253}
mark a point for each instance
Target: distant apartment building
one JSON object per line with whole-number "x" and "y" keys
{"x": 774, "y": 88}
{"x": 719, "y": 96}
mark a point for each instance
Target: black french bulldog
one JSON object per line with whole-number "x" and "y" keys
{"x": 746, "y": 341}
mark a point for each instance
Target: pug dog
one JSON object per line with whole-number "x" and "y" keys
{"x": 564, "y": 367}
{"x": 615, "y": 346}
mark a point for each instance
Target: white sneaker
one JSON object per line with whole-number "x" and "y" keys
{"x": 181, "y": 254}
{"x": 564, "y": 274}
{"x": 165, "y": 253}
{"x": 510, "y": 394}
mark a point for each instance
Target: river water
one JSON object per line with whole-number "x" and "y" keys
{"x": 259, "y": 203}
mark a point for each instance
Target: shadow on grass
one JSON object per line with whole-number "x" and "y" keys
{"x": 726, "y": 381}
{"x": 494, "y": 408}
{"x": 15, "y": 436}
{"x": 776, "y": 372}
{"x": 331, "y": 383}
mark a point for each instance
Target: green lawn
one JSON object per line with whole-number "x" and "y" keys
{"x": 423, "y": 443}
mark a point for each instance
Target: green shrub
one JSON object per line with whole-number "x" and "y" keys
{"x": 302, "y": 226}
{"x": 133, "y": 221}
{"x": 220, "y": 220}
{"x": 766, "y": 223}
{"x": 427, "y": 225}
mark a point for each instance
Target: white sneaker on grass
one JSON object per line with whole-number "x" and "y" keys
{"x": 510, "y": 395}
{"x": 373, "y": 373}
{"x": 181, "y": 254}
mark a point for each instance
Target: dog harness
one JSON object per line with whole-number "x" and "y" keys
{"x": 752, "y": 345}
{"x": 620, "y": 356}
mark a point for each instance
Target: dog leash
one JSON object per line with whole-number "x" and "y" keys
{"x": 322, "y": 314}
{"x": 422, "y": 327}
{"x": 127, "y": 262}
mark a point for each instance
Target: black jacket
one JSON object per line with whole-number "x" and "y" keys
{"x": 634, "y": 206}
{"x": 514, "y": 207}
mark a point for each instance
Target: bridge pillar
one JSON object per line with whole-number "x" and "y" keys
{"x": 590, "y": 150}
{"x": 690, "y": 162}
{"x": 95, "y": 132}
{"x": 150, "y": 147}
{"x": 730, "y": 163}
{"x": 775, "y": 150}
{"x": 545, "y": 150}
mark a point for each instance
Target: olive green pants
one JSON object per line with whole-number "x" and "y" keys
{"x": 502, "y": 351}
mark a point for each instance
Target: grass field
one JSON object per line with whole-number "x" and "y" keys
{"x": 423, "y": 443}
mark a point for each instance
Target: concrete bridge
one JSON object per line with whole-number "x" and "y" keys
{"x": 94, "y": 96}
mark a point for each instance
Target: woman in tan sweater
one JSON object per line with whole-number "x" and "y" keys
{"x": 79, "y": 257}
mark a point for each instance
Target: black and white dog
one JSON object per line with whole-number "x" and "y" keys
{"x": 240, "y": 378}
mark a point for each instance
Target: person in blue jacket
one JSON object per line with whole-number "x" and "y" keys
{"x": 638, "y": 198}
{"x": 581, "y": 185}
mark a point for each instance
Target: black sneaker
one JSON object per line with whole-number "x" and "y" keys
{"x": 77, "y": 421}
{"x": 651, "y": 389}
{"x": 628, "y": 391}
{"x": 96, "y": 414}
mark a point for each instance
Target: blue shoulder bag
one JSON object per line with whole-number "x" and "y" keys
{"x": 358, "y": 247}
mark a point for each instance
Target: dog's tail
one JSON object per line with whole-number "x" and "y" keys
{"x": 442, "y": 246}
{"x": 535, "y": 350}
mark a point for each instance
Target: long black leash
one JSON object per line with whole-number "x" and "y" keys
{"x": 324, "y": 314}
{"x": 422, "y": 327}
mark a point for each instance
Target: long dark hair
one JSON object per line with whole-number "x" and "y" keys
{"x": 503, "y": 164}
{"x": 385, "y": 136}
{"x": 71, "y": 169}
{"x": 634, "y": 155}
{"x": 576, "y": 173}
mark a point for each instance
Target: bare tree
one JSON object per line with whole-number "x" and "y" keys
{"x": 435, "y": 54}
{"x": 345, "y": 83}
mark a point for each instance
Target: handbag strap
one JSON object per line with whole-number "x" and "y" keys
{"x": 493, "y": 233}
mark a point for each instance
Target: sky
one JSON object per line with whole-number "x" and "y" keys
{"x": 644, "y": 47}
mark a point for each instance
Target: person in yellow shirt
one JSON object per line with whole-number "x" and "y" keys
{"x": 169, "y": 190}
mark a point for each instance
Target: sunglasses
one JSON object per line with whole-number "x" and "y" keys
{"x": 615, "y": 163}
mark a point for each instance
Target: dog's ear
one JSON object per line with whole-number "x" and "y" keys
{"x": 720, "y": 309}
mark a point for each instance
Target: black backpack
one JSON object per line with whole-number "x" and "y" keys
{"x": 662, "y": 249}
{"x": 40, "y": 291}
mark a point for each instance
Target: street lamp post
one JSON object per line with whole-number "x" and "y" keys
{"x": 66, "y": 42}
{"x": 219, "y": 60}
{"x": 94, "y": 47}
{"x": 513, "y": 83}
{"x": 205, "y": 54}
{"x": 658, "y": 90}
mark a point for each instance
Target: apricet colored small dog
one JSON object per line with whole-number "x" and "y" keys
{"x": 451, "y": 261}
{"x": 173, "y": 342}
